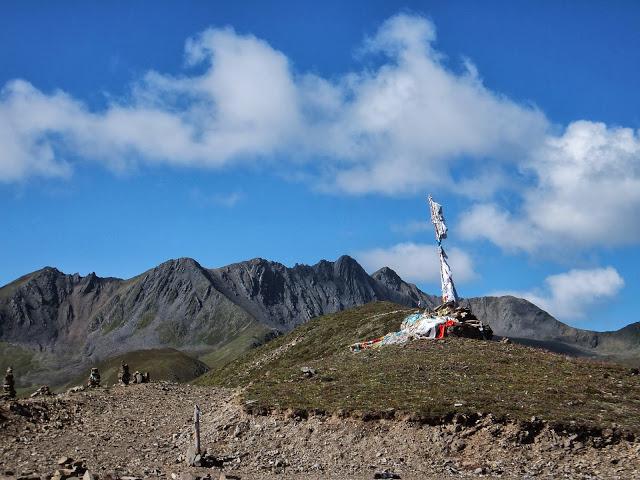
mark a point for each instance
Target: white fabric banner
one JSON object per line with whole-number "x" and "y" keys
{"x": 449, "y": 293}
{"x": 437, "y": 218}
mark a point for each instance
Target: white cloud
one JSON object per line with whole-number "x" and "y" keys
{"x": 586, "y": 192}
{"x": 228, "y": 200}
{"x": 497, "y": 225}
{"x": 243, "y": 106}
{"x": 570, "y": 295}
{"x": 405, "y": 126}
{"x": 407, "y": 123}
{"x": 417, "y": 262}
{"x": 394, "y": 129}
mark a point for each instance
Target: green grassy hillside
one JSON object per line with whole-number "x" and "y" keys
{"x": 161, "y": 363}
{"x": 252, "y": 335}
{"x": 427, "y": 378}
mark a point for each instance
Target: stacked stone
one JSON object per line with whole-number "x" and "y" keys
{"x": 124, "y": 377}
{"x": 140, "y": 377}
{"x": 94, "y": 378}
{"x": 9, "y": 386}
{"x": 468, "y": 324}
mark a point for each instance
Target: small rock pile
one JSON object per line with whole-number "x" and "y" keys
{"x": 468, "y": 325}
{"x": 125, "y": 377}
{"x": 140, "y": 377}
{"x": 9, "y": 386}
{"x": 94, "y": 378}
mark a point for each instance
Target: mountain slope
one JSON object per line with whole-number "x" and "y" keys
{"x": 65, "y": 323}
{"x": 521, "y": 320}
{"x": 285, "y": 297}
{"x": 62, "y": 324}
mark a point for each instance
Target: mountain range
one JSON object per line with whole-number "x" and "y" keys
{"x": 53, "y": 325}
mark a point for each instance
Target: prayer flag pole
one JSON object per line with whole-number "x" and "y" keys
{"x": 449, "y": 293}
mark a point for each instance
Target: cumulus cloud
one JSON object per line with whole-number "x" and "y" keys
{"x": 412, "y": 122}
{"x": 493, "y": 223}
{"x": 393, "y": 129}
{"x": 417, "y": 262}
{"x": 570, "y": 295}
{"x": 407, "y": 123}
{"x": 244, "y": 105}
{"x": 586, "y": 192}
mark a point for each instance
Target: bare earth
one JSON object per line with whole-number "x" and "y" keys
{"x": 144, "y": 431}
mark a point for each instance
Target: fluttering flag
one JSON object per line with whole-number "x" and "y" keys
{"x": 449, "y": 293}
{"x": 437, "y": 218}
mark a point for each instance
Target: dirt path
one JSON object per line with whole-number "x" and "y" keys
{"x": 144, "y": 431}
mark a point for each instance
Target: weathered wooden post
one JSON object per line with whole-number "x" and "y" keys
{"x": 196, "y": 428}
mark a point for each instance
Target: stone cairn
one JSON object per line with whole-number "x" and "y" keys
{"x": 139, "y": 377}
{"x": 9, "y": 386}
{"x": 124, "y": 377}
{"x": 467, "y": 324}
{"x": 94, "y": 378}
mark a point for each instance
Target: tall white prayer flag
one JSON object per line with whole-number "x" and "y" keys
{"x": 449, "y": 293}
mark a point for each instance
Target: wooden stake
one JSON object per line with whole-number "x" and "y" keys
{"x": 196, "y": 427}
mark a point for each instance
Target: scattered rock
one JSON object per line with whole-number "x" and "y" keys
{"x": 152, "y": 422}
{"x": 227, "y": 476}
{"x": 308, "y": 372}
{"x": 386, "y": 474}
{"x": 42, "y": 391}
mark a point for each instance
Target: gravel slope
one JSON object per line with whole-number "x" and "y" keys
{"x": 143, "y": 430}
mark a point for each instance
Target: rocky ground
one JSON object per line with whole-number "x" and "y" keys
{"x": 144, "y": 431}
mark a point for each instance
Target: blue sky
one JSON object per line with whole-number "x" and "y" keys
{"x": 295, "y": 131}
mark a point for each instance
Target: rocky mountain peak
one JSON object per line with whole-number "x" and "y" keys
{"x": 50, "y": 271}
{"x": 347, "y": 267}
{"x": 388, "y": 277}
{"x": 182, "y": 263}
